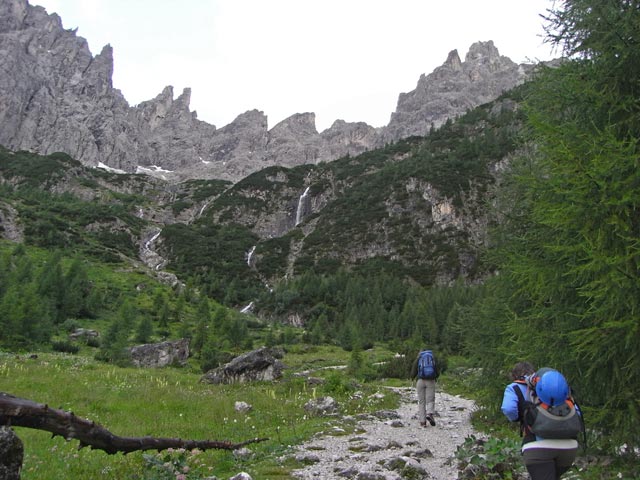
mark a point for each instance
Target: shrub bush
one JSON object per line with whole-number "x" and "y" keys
{"x": 65, "y": 346}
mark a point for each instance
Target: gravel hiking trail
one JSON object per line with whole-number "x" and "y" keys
{"x": 385, "y": 440}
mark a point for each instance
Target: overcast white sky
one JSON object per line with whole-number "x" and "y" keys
{"x": 341, "y": 59}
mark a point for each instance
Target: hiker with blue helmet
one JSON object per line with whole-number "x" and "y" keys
{"x": 426, "y": 370}
{"x": 549, "y": 422}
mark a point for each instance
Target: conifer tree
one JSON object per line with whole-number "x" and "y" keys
{"x": 51, "y": 285}
{"x": 270, "y": 338}
{"x": 115, "y": 341}
{"x": 210, "y": 356}
{"x": 23, "y": 271}
{"x": 77, "y": 291}
{"x": 144, "y": 330}
{"x": 203, "y": 325}
{"x": 178, "y": 309}
{"x": 571, "y": 263}
{"x": 5, "y": 271}
{"x": 163, "y": 321}
{"x": 24, "y": 317}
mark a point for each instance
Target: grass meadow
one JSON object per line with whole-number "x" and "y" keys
{"x": 171, "y": 402}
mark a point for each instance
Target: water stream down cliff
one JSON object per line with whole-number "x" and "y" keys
{"x": 302, "y": 206}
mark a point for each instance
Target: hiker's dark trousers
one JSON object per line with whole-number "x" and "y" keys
{"x": 548, "y": 463}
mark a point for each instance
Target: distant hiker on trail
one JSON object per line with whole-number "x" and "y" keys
{"x": 550, "y": 421}
{"x": 426, "y": 370}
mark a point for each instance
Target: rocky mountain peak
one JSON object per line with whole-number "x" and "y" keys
{"x": 57, "y": 97}
{"x": 453, "y": 61}
{"x": 183, "y": 101}
{"x": 301, "y": 123}
{"x": 99, "y": 72}
{"x": 482, "y": 51}
{"x": 249, "y": 120}
{"x": 452, "y": 89}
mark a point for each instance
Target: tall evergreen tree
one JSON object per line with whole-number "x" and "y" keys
{"x": 24, "y": 317}
{"x": 572, "y": 263}
{"x": 51, "y": 285}
{"x": 144, "y": 330}
{"x": 77, "y": 291}
{"x": 115, "y": 341}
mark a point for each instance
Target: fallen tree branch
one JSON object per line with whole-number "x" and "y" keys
{"x": 20, "y": 412}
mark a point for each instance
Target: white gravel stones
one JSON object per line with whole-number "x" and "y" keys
{"x": 387, "y": 450}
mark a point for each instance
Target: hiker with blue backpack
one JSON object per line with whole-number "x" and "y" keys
{"x": 550, "y": 420}
{"x": 426, "y": 370}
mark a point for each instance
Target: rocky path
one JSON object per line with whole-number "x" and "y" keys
{"x": 391, "y": 445}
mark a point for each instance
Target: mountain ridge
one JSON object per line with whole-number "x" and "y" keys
{"x": 60, "y": 98}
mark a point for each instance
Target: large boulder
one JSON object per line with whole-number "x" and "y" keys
{"x": 161, "y": 354}
{"x": 11, "y": 454}
{"x": 322, "y": 406}
{"x": 258, "y": 365}
{"x": 83, "y": 334}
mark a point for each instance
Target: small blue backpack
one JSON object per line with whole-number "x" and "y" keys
{"x": 426, "y": 365}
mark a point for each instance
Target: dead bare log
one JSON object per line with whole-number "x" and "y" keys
{"x": 20, "y": 412}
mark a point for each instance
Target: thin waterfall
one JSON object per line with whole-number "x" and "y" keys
{"x": 148, "y": 243}
{"x": 250, "y": 254}
{"x": 148, "y": 254}
{"x": 247, "y": 309}
{"x": 301, "y": 206}
{"x": 206, "y": 204}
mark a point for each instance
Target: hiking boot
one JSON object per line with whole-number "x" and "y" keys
{"x": 431, "y": 420}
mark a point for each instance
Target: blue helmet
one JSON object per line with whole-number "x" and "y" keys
{"x": 552, "y": 388}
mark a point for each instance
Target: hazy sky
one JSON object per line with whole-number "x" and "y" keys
{"x": 342, "y": 59}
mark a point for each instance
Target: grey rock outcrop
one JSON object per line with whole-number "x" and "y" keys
{"x": 56, "y": 96}
{"x": 11, "y": 454}
{"x": 262, "y": 364}
{"x": 162, "y": 354}
{"x": 322, "y": 406}
{"x": 83, "y": 334}
{"x": 10, "y": 228}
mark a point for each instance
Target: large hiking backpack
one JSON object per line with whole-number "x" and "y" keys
{"x": 426, "y": 365}
{"x": 551, "y": 413}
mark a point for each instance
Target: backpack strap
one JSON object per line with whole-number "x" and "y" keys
{"x": 582, "y": 424}
{"x": 522, "y": 406}
{"x": 521, "y": 401}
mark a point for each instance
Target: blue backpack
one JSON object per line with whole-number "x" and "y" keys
{"x": 426, "y": 365}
